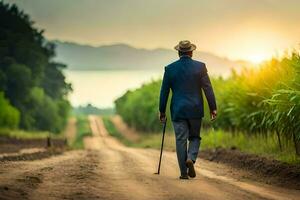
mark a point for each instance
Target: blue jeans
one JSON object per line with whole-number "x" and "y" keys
{"x": 187, "y": 130}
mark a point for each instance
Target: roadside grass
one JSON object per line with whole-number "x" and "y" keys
{"x": 146, "y": 140}
{"x": 254, "y": 144}
{"x": 154, "y": 141}
{"x": 111, "y": 129}
{"x": 262, "y": 145}
{"x": 82, "y": 130}
{"x": 21, "y": 134}
{"x": 82, "y": 127}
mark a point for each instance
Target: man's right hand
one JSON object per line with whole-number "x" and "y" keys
{"x": 162, "y": 117}
{"x": 213, "y": 115}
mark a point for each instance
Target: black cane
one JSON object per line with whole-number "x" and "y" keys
{"x": 162, "y": 145}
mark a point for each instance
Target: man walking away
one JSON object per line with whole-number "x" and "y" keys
{"x": 186, "y": 78}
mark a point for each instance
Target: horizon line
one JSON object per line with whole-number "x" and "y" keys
{"x": 139, "y": 48}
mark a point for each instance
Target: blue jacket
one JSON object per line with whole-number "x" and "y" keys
{"x": 186, "y": 78}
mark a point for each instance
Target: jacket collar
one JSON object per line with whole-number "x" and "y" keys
{"x": 185, "y": 57}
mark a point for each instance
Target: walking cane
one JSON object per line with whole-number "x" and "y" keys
{"x": 162, "y": 146}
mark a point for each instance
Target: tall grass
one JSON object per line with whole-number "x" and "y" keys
{"x": 264, "y": 100}
{"x": 21, "y": 134}
{"x": 262, "y": 145}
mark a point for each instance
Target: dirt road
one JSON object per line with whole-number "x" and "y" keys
{"x": 109, "y": 170}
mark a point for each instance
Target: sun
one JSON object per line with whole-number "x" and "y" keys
{"x": 257, "y": 58}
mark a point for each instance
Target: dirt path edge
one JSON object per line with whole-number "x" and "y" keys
{"x": 266, "y": 170}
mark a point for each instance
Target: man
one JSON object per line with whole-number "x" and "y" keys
{"x": 186, "y": 78}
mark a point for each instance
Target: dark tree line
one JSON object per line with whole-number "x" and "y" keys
{"x": 32, "y": 85}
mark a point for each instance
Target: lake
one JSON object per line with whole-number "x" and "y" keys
{"x": 101, "y": 88}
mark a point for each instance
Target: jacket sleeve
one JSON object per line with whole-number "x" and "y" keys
{"x": 208, "y": 90}
{"x": 164, "y": 93}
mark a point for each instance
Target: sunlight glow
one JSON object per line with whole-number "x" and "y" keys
{"x": 254, "y": 43}
{"x": 257, "y": 58}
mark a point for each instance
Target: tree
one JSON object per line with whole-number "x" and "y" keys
{"x": 9, "y": 116}
{"x": 30, "y": 80}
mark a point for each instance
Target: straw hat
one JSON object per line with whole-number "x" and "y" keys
{"x": 185, "y": 46}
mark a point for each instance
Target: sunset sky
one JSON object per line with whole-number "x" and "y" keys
{"x": 238, "y": 29}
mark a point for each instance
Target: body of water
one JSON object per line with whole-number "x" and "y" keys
{"x": 101, "y": 88}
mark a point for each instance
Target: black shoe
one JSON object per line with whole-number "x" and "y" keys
{"x": 191, "y": 170}
{"x": 184, "y": 176}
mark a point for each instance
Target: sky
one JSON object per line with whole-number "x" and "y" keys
{"x": 238, "y": 29}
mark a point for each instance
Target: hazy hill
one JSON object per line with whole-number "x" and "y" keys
{"x": 122, "y": 56}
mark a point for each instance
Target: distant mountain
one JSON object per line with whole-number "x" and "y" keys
{"x": 122, "y": 56}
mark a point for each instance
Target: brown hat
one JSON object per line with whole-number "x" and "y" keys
{"x": 185, "y": 46}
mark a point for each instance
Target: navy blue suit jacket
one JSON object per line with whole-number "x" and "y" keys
{"x": 186, "y": 78}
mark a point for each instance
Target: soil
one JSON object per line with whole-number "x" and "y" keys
{"x": 261, "y": 168}
{"x": 31, "y": 154}
{"x": 106, "y": 169}
{"x": 15, "y": 145}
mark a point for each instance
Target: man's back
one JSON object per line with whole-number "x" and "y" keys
{"x": 186, "y": 77}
